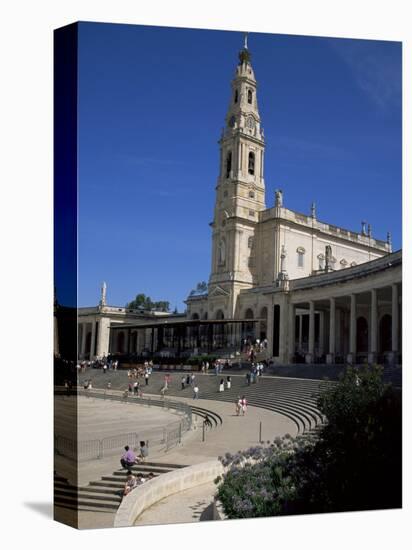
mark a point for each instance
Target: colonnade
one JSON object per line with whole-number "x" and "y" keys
{"x": 337, "y": 328}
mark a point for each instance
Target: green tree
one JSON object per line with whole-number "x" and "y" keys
{"x": 201, "y": 288}
{"x": 145, "y": 302}
{"x": 356, "y": 463}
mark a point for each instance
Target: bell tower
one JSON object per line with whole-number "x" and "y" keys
{"x": 240, "y": 190}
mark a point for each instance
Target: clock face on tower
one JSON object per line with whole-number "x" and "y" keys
{"x": 250, "y": 122}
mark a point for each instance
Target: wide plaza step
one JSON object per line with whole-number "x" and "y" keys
{"x": 104, "y": 495}
{"x": 295, "y": 398}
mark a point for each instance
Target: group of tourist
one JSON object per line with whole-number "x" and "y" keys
{"x": 141, "y": 372}
{"x": 228, "y": 383}
{"x": 130, "y": 458}
{"x": 255, "y": 372}
{"x": 133, "y": 481}
{"x": 252, "y": 348}
{"x": 241, "y": 405}
{"x": 104, "y": 363}
{"x": 135, "y": 389}
{"x": 187, "y": 380}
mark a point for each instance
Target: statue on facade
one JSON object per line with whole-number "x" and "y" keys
{"x": 103, "y": 294}
{"x": 278, "y": 198}
{"x": 389, "y": 241}
{"x": 283, "y": 255}
{"x": 328, "y": 257}
{"x": 313, "y": 210}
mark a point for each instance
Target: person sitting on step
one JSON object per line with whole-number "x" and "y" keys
{"x": 128, "y": 458}
{"x": 143, "y": 451}
{"x": 131, "y": 483}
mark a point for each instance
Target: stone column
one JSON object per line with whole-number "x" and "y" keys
{"x": 103, "y": 340}
{"x": 321, "y": 333}
{"x": 352, "y": 330}
{"x": 373, "y": 350}
{"x": 395, "y": 320}
{"x": 332, "y": 331}
{"x": 93, "y": 340}
{"x": 300, "y": 331}
{"x": 311, "y": 347}
{"x": 291, "y": 331}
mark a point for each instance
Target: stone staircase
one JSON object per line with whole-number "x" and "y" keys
{"x": 291, "y": 397}
{"x": 104, "y": 495}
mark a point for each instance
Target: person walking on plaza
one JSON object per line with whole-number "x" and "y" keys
{"x": 207, "y": 423}
{"x": 182, "y": 381}
{"x": 248, "y": 377}
{"x": 146, "y": 377}
{"x": 196, "y": 392}
{"x": 188, "y": 379}
{"x": 238, "y": 405}
{"x": 228, "y": 382}
{"x": 192, "y": 380}
{"x": 244, "y": 405}
{"x": 222, "y": 385}
{"x": 128, "y": 458}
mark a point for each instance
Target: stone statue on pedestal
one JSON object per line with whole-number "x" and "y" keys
{"x": 278, "y": 198}
{"x": 103, "y": 294}
{"x": 328, "y": 257}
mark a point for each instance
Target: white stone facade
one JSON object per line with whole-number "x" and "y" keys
{"x": 260, "y": 254}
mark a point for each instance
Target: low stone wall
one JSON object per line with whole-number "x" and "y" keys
{"x": 163, "y": 486}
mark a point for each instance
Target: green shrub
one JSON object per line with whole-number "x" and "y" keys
{"x": 353, "y": 463}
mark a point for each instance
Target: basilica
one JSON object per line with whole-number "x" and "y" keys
{"x": 314, "y": 292}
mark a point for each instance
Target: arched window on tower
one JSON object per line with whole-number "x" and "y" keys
{"x": 251, "y": 164}
{"x": 249, "y": 96}
{"x": 236, "y": 96}
{"x": 228, "y": 163}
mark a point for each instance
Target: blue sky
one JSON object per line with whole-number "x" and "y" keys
{"x": 152, "y": 103}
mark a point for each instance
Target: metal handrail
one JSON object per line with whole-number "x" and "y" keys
{"x": 164, "y": 438}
